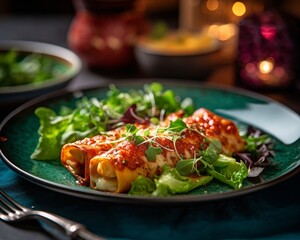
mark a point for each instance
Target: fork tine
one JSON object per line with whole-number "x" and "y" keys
{"x": 5, "y": 207}
{"x": 10, "y": 203}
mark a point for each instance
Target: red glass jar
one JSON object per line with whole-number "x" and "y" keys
{"x": 103, "y": 32}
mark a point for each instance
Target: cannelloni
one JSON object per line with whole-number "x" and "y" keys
{"x": 76, "y": 156}
{"x": 114, "y": 167}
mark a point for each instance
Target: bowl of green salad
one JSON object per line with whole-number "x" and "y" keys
{"x": 29, "y": 69}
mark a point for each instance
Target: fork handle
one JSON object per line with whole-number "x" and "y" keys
{"x": 84, "y": 234}
{"x": 71, "y": 228}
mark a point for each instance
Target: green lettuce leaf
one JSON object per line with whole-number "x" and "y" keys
{"x": 170, "y": 182}
{"x": 227, "y": 170}
{"x": 142, "y": 186}
{"x": 223, "y": 168}
{"x": 51, "y": 129}
{"x": 57, "y": 130}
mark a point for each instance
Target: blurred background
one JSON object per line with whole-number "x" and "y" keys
{"x": 258, "y": 38}
{"x": 209, "y": 11}
{"x": 66, "y": 6}
{"x": 219, "y": 17}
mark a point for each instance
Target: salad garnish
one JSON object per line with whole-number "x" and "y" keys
{"x": 16, "y": 68}
{"x": 259, "y": 151}
{"x": 93, "y": 116}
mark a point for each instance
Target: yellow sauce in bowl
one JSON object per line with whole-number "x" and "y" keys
{"x": 180, "y": 43}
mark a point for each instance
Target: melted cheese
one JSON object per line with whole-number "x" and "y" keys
{"x": 105, "y": 184}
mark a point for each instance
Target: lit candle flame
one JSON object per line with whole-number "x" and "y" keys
{"x": 266, "y": 66}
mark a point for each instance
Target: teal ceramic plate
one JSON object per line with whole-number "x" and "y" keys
{"x": 19, "y": 130}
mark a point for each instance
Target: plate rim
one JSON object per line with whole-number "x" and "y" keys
{"x": 131, "y": 199}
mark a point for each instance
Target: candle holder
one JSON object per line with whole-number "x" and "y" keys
{"x": 265, "y": 52}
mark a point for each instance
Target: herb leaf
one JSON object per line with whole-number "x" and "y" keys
{"x": 177, "y": 126}
{"x": 213, "y": 150}
{"x": 131, "y": 129}
{"x": 185, "y": 167}
{"x": 138, "y": 139}
{"x": 151, "y": 152}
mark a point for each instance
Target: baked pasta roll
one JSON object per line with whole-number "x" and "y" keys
{"x": 150, "y": 149}
{"x": 76, "y": 156}
{"x": 217, "y": 127}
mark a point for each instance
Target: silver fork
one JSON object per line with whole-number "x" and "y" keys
{"x": 11, "y": 211}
